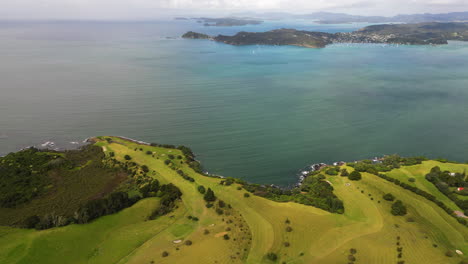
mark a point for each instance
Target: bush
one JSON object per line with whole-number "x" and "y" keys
{"x": 201, "y": 189}
{"x": 165, "y": 254}
{"x": 289, "y": 229}
{"x": 272, "y": 256}
{"x": 389, "y": 197}
{"x": 127, "y": 157}
{"x": 221, "y": 204}
{"x": 188, "y": 242}
{"x": 449, "y": 253}
{"x": 286, "y": 244}
{"x": 351, "y": 258}
{"x": 226, "y": 237}
{"x": 353, "y": 251}
{"x": 31, "y": 222}
{"x": 398, "y": 208}
{"x": 145, "y": 168}
{"x": 344, "y": 172}
{"x": 246, "y": 195}
{"x": 411, "y": 179}
{"x": 355, "y": 176}
{"x": 148, "y": 152}
{"x": 219, "y": 211}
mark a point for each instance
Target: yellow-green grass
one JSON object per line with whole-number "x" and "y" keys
{"x": 317, "y": 236}
{"x": 418, "y": 172}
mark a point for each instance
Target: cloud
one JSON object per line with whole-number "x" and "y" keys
{"x": 144, "y": 9}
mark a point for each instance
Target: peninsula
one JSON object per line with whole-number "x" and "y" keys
{"x": 119, "y": 200}
{"x": 404, "y": 34}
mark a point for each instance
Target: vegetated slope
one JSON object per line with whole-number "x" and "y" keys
{"x": 259, "y": 229}
{"x": 37, "y": 183}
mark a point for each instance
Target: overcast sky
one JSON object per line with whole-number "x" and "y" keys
{"x": 148, "y": 9}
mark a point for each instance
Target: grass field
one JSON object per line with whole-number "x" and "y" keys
{"x": 256, "y": 226}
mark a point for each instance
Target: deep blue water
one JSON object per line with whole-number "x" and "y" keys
{"x": 256, "y": 112}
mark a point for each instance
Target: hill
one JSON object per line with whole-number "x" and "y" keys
{"x": 233, "y": 225}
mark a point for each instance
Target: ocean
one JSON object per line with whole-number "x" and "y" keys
{"x": 260, "y": 113}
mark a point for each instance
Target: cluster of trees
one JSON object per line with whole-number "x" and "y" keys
{"x": 169, "y": 194}
{"x": 91, "y": 210}
{"x": 443, "y": 180}
{"x": 185, "y": 176}
{"x": 387, "y": 163}
{"x": 314, "y": 191}
{"x": 23, "y": 175}
{"x": 424, "y": 194}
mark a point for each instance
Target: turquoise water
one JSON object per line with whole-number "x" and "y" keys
{"x": 255, "y": 112}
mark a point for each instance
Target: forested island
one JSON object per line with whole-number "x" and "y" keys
{"x": 404, "y": 34}
{"x": 121, "y": 200}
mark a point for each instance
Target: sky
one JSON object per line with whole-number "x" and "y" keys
{"x": 153, "y": 9}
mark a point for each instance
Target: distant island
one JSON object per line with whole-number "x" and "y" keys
{"x": 227, "y": 22}
{"x": 343, "y": 18}
{"x": 404, "y": 34}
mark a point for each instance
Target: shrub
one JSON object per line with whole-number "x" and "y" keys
{"x": 226, "y": 237}
{"x": 351, "y": 258}
{"x": 206, "y": 232}
{"x": 145, "y": 168}
{"x": 411, "y": 179}
{"x": 165, "y": 254}
{"x": 353, "y": 251}
{"x": 167, "y": 162}
{"x": 398, "y": 208}
{"x": 389, "y": 197}
{"x": 148, "y": 152}
{"x": 201, "y": 189}
{"x": 344, "y": 172}
{"x": 219, "y": 211}
{"x": 127, "y": 157}
{"x": 286, "y": 244}
{"x": 31, "y": 222}
{"x": 449, "y": 253}
{"x": 289, "y": 229}
{"x": 272, "y": 256}
{"x": 221, "y": 204}
{"x": 355, "y": 176}
{"x": 246, "y": 195}
{"x": 188, "y": 242}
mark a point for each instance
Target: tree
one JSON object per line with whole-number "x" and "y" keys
{"x": 389, "y": 197}
{"x": 355, "y": 176}
{"x": 398, "y": 208}
{"x": 209, "y": 196}
{"x": 127, "y": 157}
{"x": 145, "y": 168}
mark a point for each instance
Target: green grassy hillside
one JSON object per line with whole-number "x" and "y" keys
{"x": 254, "y": 226}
